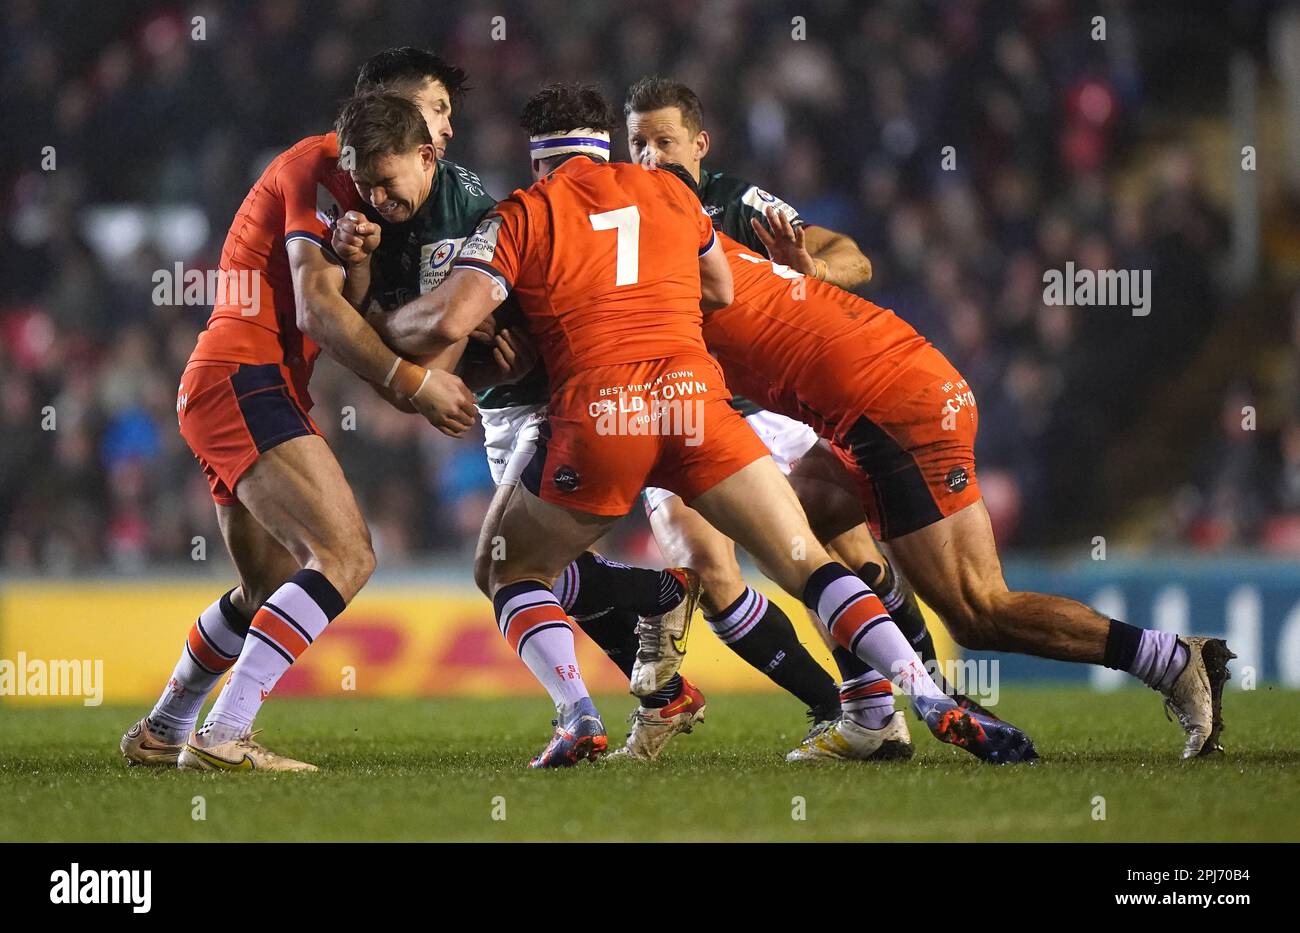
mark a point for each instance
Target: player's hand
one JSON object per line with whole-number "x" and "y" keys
{"x": 784, "y": 243}
{"x": 515, "y": 354}
{"x": 355, "y": 238}
{"x": 486, "y": 330}
{"x": 446, "y": 403}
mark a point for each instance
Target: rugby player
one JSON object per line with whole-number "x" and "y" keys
{"x": 665, "y": 122}
{"x": 902, "y": 420}
{"x": 287, "y": 515}
{"x": 390, "y": 263}
{"x": 619, "y": 330}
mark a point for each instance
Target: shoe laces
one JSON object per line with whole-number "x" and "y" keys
{"x": 648, "y": 633}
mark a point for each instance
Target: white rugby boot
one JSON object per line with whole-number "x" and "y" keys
{"x": 845, "y": 740}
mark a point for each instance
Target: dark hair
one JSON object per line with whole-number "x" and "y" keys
{"x": 406, "y": 68}
{"x": 559, "y": 107}
{"x": 380, "y": 124}
{"x": 655, "y": 93}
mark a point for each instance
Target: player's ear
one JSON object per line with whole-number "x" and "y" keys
{"x": 428, "y": 155}
{"x": 701, "y": 144}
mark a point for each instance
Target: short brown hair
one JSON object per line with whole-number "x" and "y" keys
{"x": 655, "y": 93}
{"x": 378, "y": 124}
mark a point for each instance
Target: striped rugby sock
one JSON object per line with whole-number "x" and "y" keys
{"x": 289, "y": 621}
{"x": 213, "y": 644}
{"x": 857, "y": 620}
{"x": 763, "y": 635}
{"x": 868, "y": 700}
{"x": 537, "y": 628}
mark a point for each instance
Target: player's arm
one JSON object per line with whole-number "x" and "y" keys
{"x": 444, "y": 317}
{"x": 816, "y": 251}
{"x": 845, "y": 264}
{"x": 324, "y": 315}
{"x": 717, "y": 290}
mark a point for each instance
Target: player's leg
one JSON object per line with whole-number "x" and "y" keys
{"x": 954, "y": 565}
{"x": 747, "y": 622}
{"x": 604, "y": 597}
{"x": 758, "y": 509}
{"x": 832, "y": 501}
{"x": 297, "y": 492}
{"x": 542, "y": 539}
{"x": 215, "y": 639}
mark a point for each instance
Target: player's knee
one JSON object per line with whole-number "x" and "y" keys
{"x": 719, "y": 572}
{"x": 348, "y": 565}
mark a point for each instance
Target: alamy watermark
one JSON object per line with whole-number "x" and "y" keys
{"x": 240, "y": 288}
{"x": 60, "y": 677}
{"x": 1120, "y": 288}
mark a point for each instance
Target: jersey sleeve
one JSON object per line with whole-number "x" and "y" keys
{"x": 310, "y": 208}
{"x": 497, "y": 246}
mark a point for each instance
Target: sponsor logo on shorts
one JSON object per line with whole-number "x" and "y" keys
{"x": 565, "y": 479}
{"x": 957, "y": 479}
{"x": 670, "y": 406}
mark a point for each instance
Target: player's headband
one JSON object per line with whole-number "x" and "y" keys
{"x": 583, "y": 140}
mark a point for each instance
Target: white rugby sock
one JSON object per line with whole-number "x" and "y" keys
{"x": 856, "y": 618}
{"x": 213, "y": 644}
{"x": 288, "y": 622}
{"x": 537, "y": 628}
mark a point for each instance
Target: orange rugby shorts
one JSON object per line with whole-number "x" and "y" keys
{"x": 610, "y": 431}
{"x": 231, "y": 413}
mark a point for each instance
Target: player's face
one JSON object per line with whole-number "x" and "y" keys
{"x": 435, "y": 104}
{"x": 655, "y": 136}
{"x": 396, "y": 185}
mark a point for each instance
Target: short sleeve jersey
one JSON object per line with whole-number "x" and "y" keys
{"x": 300, "y": 196}
{"x": 604, "y": 260}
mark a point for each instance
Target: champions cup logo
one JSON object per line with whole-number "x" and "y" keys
{"x": 239, "y": 288}
{"x": 671, "y": 406}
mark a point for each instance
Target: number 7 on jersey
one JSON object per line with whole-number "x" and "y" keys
{"x": 627, "y": 221}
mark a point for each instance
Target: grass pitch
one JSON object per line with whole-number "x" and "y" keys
{"x": 422, "y": 770}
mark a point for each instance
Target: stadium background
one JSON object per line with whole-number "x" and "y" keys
{"x": 1124, "y": 153}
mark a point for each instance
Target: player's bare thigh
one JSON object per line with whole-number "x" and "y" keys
{"x": 262, "y": 562}
{"x": 757, "y": 509}
{"x": 538, "y": 539}
{"x": 686, "y": 540}
{"x": 297, "y": 492}
{"x": 829, "y": 495}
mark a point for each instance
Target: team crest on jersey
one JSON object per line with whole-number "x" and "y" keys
{"x": 327, "y": 206}
{"x": 482, "y": 246}
{"x": 435, "y": 262}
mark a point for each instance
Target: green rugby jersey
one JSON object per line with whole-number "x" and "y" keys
{"x": 416, "y": 255}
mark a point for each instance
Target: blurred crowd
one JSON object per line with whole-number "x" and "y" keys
{"x": 967, "y": 146}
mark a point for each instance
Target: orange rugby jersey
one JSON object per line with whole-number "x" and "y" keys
{"x": 604, "y": 259}
{"x": 299, "y": 196}
{"x": 781, "y": 329}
